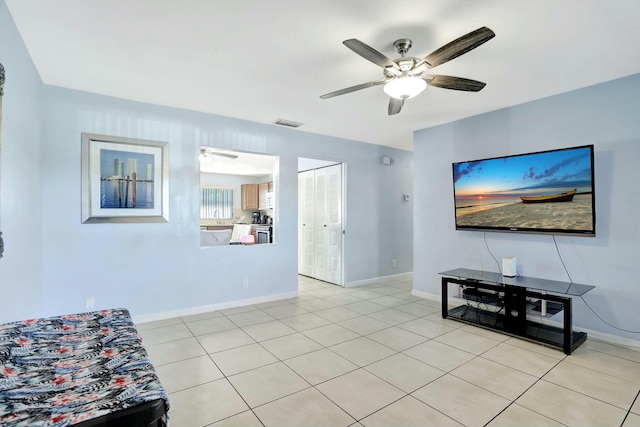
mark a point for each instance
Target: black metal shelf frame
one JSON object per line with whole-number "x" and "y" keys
{"x": 512, "y": 318}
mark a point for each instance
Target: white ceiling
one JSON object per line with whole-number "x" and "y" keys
{"x": 262, "y": 60}
{"x": 246, "y": 164}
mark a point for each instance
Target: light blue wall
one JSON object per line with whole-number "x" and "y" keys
{"x": 20, "y": 178}
{"x": 151, "y": 268}
{"x": 53, "y": 262}
{"x": 605, "y": 115}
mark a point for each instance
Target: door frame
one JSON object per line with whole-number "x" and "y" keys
{"x": 343, "y": 203}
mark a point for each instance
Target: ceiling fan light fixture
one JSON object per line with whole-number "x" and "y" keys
{"x": 404, "y": 87}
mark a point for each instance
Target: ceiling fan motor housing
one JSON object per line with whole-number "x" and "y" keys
{"x": 402, "y": 46}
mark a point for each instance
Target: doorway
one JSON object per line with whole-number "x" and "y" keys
{"x": 321, "y": 236}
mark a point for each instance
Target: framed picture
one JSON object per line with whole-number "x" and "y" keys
{"x": 1, "y": 93}
{"x": 124, "y": 180}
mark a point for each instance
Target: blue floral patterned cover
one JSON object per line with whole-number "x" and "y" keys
{"x": 64, "y": 370}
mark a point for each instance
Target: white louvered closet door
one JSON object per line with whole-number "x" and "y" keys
{"x": 321, "y": 217}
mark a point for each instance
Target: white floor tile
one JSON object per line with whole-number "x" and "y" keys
{"x": 337, "y": 314}
{"x": 168, "y": 333}
{"x": 632, "y": 354}
{"x": 161, "y": 354}
{"x": 158, "y": 324}
{"x": 224, "y": 340}
{"x": 268, "y": 330}
{"x": 377, "y": 356}
{"x": 290, "y": 346}
{"x": 250, "y": 318}
{"x": 187, "y": 373}
{"x": 569, "y": 407}
{"x": 201, "y": 316}
{"x": 262, "y": 385}
{"x": 632, "y": 420}
{"x": 397, "y": 338}
{"x": 314, "y": 305}
{"x": 613, "y": 390}
{"x": 439, "y": 355}
{"x": 516, "y": 415}
{"x": 466, "y": 403}
{"x": 362, "y": 351}
{"x": 202, "y": 405}
{"x": 467, "y": 341}
{"x": 305, "y": 408}
{"x": 283, "y": 311}
{"x": 499, "y": 379}
{"x": 320, "y": 366}
{"x": 606, "y": 363}
{"x": 409, "y": 412}
{"x": 521, "y": 359}
{"x": 243, "y": 419}
{"x": 426, "y": 328}
{"x": 364, "y": 325}
{"x": 242, "y": 359}
{"x": 404, "y": 372}
{"x": 366, "y": 307}
{"x": 304, "y": 322}
{"x": 636, "y": 406}
{"x": 392, "y": 316}
{"x": 208, "y": 326}
{"x": 360, "y": 393}
{"x": 330, "y": 334}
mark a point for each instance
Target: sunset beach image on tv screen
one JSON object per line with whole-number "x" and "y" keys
{"x": 549, "y": 191}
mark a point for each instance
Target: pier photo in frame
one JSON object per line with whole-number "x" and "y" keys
{"x": 124, "y": 180}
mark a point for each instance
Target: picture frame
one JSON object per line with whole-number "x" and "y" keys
{"x": 1, "y": 94}
{"x": 124, "y": 180}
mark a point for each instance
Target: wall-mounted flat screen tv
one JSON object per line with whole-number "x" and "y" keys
{"x": 543, "y": 192}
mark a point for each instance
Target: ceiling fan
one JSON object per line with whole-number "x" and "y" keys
{"x": 204, "y": 153}
{"x": 404, "y": 77}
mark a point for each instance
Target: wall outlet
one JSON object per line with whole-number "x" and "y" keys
{"x": 245, "y": 283}
{"x": 394, "y": 263}
{"x": 89, "y": 303}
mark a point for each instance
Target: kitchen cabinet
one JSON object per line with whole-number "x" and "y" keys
{"x": 249, "y": 197}
{"x": 263, "y": 189}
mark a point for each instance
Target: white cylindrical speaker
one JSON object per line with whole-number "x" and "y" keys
{"x": 509, "y": 266}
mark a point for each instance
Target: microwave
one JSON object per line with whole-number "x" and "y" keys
{"x": 270, "y": 200}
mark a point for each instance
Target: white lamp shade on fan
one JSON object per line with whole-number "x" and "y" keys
{"x": 405, "y": 87}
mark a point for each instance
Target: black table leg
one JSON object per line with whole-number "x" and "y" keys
{"x": 445, "y": 298}
{"x": 568, "y": 329}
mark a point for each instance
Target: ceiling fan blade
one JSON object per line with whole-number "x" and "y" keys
{"x": 229, "y": 156}
{"x": 395, "y": 105}
{"x": 459, "y": 46}
{"x": 455, "y": 83}
{"x": 369, "y": 53}
{"x": 204, "y": 153}
{"x": 353, "y": 88}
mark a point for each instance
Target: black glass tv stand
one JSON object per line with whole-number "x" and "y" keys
{"x": 501, "y": 303}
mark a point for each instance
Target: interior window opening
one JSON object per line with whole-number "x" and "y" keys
{"x": 237, "y": 198}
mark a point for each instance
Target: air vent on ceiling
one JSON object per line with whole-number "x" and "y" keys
{"x": 288, "y": 123}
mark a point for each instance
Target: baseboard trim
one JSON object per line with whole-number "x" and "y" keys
{"x": 426, "y": 295}
{"x": 596, "y": 335}
{"x": 380, "y": 279}
{"x": 152, "y": 317}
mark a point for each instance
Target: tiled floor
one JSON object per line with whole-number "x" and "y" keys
{"x": 377, "y": 356}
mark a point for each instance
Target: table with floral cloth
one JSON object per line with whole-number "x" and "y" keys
{"x": 85, "y": 370}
